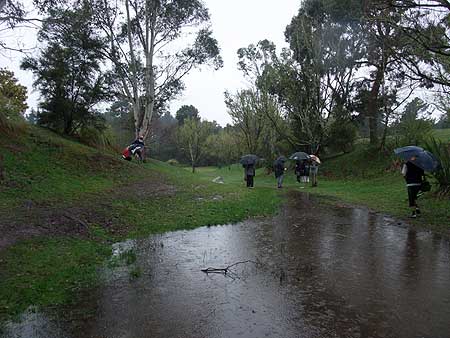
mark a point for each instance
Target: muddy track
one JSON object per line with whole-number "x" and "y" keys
{"x": 73, "y": 218}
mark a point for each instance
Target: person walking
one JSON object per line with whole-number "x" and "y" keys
{"x": 313, "y": 169}
{"x": 279, "y": 171}
{"x": 249, "y": 173}
{"x": 304, "y": 171}
{"x": 298, "y": 169}
{"x": 414, "y": 177}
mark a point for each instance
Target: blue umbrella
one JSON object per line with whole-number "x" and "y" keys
{"x": 418, "y": 156}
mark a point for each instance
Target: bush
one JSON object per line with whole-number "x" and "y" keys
{"x": 96, "y": 138}
{"x": 442, "y": 176}
{"x": 10, "y": 126}
{"x": 173, "y": 162}
{"x": 413, "y": 132}
{"x": 342, "y": 136}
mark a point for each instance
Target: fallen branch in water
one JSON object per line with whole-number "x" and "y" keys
{"x": 226, "y": 269}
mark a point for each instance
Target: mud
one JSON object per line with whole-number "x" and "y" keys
{"x": 312, "y": 271}
{"x": 73, "y": 218}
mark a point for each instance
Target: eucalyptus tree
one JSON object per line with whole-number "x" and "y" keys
{"x": 254, "y": 63}
{"x": 315, "y": 78}
{"x": 152, "y": 45}
{"x": 247, "y": 119}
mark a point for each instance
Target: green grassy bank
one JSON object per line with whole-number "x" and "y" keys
{"x": 46, "y": 174}
{"x": 117, "y": 200}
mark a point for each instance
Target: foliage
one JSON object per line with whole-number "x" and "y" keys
{"x": 119, "y": 118}
{"x": 173, "y": 162}
{"x": 185, "y": 112}
{"x": 149, "y": 60}
{"x": 412, "y": 129}
{"x": 257, "y": 118}
{"x": 13, "y": 96}
{"x": 224, "y": 147}
{"x": 164, "y": 145}
{"x": 97, "y": 138}
{"x": 192, "y": 136}
{"x": 442, "y": 176}
{"x": 68, "y": 72}
{"x": 341, "y": 136}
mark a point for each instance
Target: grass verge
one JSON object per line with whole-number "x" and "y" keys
{"x": 47, "y": 170}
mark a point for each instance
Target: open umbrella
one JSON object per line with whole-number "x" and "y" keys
{"x": 315, "y": 158}
{"x": 418, "y": 156}
{"x": 280, "y": 160}
{"x": 249, "y": 159}
{"x": 299, "y": 155}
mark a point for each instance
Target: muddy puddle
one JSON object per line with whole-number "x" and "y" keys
{"x": 312, "y": 271}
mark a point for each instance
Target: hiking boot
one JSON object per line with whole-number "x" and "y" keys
{"x": 413, "y": 215}
{"x": 418, "y": 211}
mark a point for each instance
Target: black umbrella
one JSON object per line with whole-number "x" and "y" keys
{"x": 299, "y": 155}
{"x": 249, "y": 159}
{"x": 418, "y": 156}
{"x": 280, "y": 160}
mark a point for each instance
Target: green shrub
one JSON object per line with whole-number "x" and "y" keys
{"x": 342, "y": 136}
{"x": 413, "y": 132}
{"x": 442, "y": 176}
{"x": 173, "y": 162}
{"x": 94, "y": 137}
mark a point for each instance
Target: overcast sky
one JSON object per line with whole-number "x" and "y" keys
{"x": 235, "y": 23}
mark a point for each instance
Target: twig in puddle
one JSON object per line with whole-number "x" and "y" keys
{"x": 226, "y": 269}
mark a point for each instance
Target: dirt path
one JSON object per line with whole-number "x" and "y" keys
{"x": 313, "y": 271}
{"x": 74, "y": 218}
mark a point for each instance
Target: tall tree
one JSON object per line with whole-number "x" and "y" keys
{"x": 192, "y": 136}
{"x": 144, "y": 46}
{"x": 68, "y": 71}
{"x": 13, "y": 95}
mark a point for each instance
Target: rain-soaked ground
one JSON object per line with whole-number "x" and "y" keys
{"x": 313, "y": 271}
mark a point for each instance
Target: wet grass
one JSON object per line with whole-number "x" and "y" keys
{"x": 47, "y": 272}
{"x": 197, "y": 202}
{"x": 43, "y": 167}
{"x": 46, "y": 169}
{"x": 379, "y": 187}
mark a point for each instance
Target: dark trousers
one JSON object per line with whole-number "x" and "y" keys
{"x": 412, "y": 195}
{"x": 249, "y": 180}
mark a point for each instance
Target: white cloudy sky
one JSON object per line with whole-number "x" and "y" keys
{"x": 235, "y": 23}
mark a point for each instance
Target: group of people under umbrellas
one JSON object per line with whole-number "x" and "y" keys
{"x": 306, "y": 166}
{"x": 416, "y": 161}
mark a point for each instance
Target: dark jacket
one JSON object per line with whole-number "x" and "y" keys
{"x": 278, "y": 168}
{"x": 137, "y": 144}
{"x": 414, "y": 174}
{"x": 249, "y": 170}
